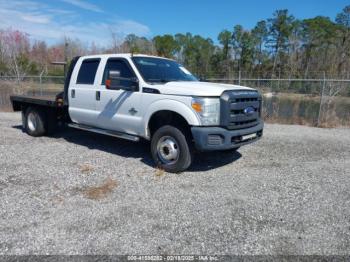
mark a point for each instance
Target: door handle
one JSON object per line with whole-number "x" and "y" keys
{"x": 98, "y": 95}
{"x": 72, "y": 94}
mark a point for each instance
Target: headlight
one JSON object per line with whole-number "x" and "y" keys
{"x": 208, "y": 110}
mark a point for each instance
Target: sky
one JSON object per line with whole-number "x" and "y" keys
{"x": 93, "y": 21}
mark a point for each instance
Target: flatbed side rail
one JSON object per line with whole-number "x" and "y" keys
{"x": 19, "y": 101}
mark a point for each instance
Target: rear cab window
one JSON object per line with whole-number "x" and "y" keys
{"x": 87, "y": 71}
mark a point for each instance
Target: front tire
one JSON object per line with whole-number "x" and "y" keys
{"x": 34, "y": 122}
{"x": 170, "y": 149}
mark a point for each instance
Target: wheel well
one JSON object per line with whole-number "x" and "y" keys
{"x": 16, "y": 106}
{"x": 166, "y": 117}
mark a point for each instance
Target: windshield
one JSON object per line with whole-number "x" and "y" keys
{"x": 158, "y": 70}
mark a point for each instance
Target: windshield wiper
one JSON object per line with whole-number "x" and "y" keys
{"x": 162, "y": 80}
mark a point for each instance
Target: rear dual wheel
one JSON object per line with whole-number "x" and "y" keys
{"x": 34, "y": 122}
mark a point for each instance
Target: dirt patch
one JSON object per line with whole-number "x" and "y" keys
{"x": 57, "y": 200}
{"x": 159, "y": 172}
{"x": 101, "y": 191}
{"x": 86, "y": 168}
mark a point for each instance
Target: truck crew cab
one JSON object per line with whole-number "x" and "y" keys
{"x": 138, "y": 96}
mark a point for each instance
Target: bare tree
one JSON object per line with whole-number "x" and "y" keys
{"x": 115, "y": 41}
{"x": 15, "y": 47}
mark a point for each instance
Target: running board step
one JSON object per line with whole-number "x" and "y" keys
{"x": 106, "y": 132}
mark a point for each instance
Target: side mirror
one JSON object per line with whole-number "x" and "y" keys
{"x": 113, "y": 74}
{"x": 115, "y": 82}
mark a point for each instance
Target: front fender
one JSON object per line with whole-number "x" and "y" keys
{"x": 169, "y": 105}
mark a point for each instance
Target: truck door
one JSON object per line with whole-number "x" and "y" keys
{"x": 82, "y": 92}
{"x": 119, "y": 110}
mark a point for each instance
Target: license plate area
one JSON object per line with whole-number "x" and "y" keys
{"x": 245, "y": 138}
{"x": 248, "y": 137}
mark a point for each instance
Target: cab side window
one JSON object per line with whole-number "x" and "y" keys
{"x": 87, "y": 71}
{"x": 120, "y": 65}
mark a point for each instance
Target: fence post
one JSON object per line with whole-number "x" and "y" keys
{"x": 41, "y": 82}
{"x": 321, "y": 100}
{"x": 279, "y": 79}
{"x": 239, "y": 77}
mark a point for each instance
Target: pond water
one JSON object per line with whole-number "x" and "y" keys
{"x": 304, "y": 109}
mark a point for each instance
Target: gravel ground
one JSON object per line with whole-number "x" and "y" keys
{"x": 81, "y": 193}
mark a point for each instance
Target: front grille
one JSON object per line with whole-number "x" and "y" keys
{"x": 248, "y": 99}
{"x": 240, "y": 109}
{"x": 243, "y": 122}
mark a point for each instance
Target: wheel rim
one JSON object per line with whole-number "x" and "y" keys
{"x": 168, "y": 150}
{"x": 31, "y": 122}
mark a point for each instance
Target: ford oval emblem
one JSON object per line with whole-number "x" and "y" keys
{"x": 249, "y": 110}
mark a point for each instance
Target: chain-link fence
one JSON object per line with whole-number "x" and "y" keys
{"x": 316, "y": 102}
{"x": 28, "y": 85}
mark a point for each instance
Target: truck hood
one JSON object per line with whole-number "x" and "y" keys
{"x": 196, "y": 88}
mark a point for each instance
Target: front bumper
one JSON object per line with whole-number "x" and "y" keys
{"x": 218, "y": 138}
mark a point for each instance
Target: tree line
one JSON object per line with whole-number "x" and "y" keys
{"x": 280, "y": 46}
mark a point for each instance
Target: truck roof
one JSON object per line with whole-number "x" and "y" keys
{"x": 122, "y": 55}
